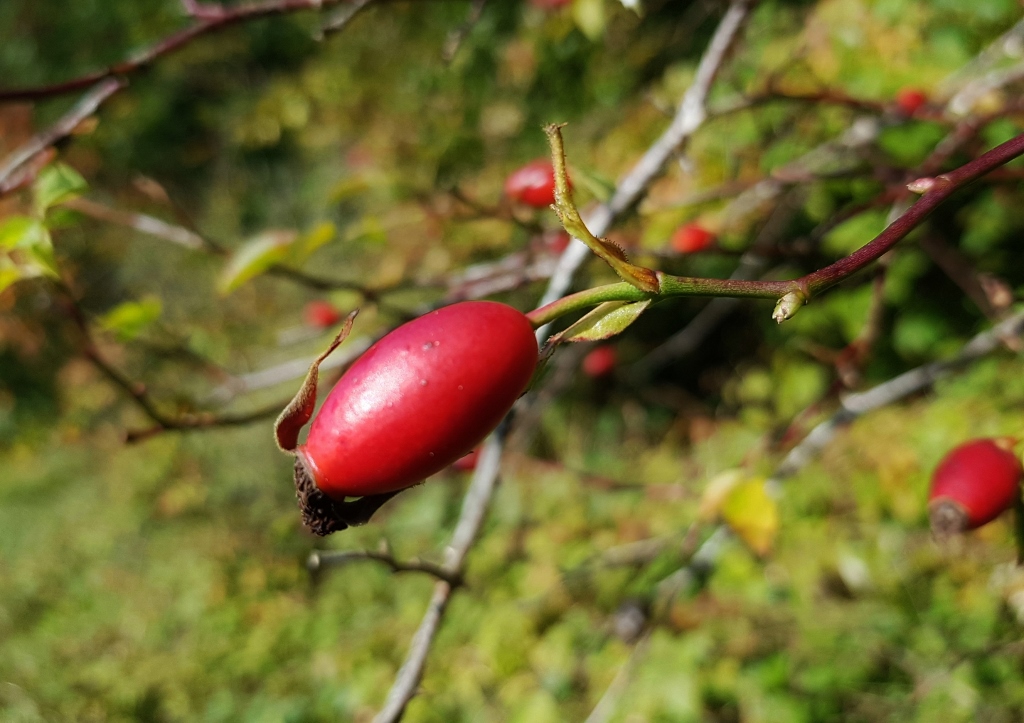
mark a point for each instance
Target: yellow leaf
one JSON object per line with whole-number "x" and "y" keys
{"x": 752, "y": 514}
{"x": 716, "y": 492}
{"x": 323, "y": 233}
{"x": 605, "y": 321}
{"x": 254, "y": 257}
{"x": 590, "y": 18}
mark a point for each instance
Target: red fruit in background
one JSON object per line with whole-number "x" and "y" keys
{"x": 420, "y": 398}
{"x": 550, "y": 4}
{"x": 973, "y": 484}
{"x": 909, "y": 100}
{"x": 559, "y": 242}
{"x": 533, "y": 184}
{"x": 600, "y": 362}
{"x": 467, "y": 463}
{"x": 321, "y": 314}
{"x": 691, "y": 238}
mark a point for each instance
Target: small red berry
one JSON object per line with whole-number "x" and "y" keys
{"x": 909, "y": 100}
{"x": 691, "y": 238}
{"x": 973, "y": 484}
{"x": 533, "y": 184}
{"x": 321, "y": 314}
{"x": 600, "y": 362}
{"x": 416, "y": 401}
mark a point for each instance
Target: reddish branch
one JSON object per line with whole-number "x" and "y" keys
{"x": 799, "y": 290}
{"x": 209, "y": 19}
{"x": 944, "y": 186}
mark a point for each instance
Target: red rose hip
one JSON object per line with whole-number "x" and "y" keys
{"x": 973, "y": 484}
{"x": 909, "y": 100}
{"x": 691, "y": 238}
{"x": 416, "y": 401}
{"x": 600, "y": 361}
{"x": 533, "y": 184}
{"x": 321, "y": 314}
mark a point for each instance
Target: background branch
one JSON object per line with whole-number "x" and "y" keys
{"x": 64, "y": 127}
{"x": 690, "y": 115}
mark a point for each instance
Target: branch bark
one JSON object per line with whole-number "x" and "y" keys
{"x": 64, "y": 127}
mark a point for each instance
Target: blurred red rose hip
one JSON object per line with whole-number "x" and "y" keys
{"x": 321, "y": 314}
{"x": 691, "y": 238}
{"x": 909, "y": 100}
{"x": 533, "y": 184}
{"x": 600, "y": 362}
{"x": 973, "y": 484}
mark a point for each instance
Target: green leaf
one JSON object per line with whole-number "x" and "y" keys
{"x": 41, "y": 257}
{"x": 589, "y": 17}
{"x": 323, "y": 233}
{"x": 18, "y": 232}
{"x": 131, "y": 318}
{"x": 850, "y": 235}
{"x": 31, "y": 236}
{"x": 254, "y": 257}
{"x": 604, "y": 322}
{"x": 57, "y": 183}
{"x": 367, "y": 230}
{"x": 9, "y": 273}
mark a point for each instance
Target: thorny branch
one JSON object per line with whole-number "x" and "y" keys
{"x": 689, "y": 117}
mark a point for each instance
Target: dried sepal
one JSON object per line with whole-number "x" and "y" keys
{"x": 299, "y": 411}
{"x": 642, "y": 278}
{"x": 603, "y": 322}
{"x": 324, "y": 516}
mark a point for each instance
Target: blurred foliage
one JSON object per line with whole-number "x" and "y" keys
{"x": 164, "y": 581}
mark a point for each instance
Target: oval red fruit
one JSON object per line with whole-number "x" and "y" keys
{"x": 600, "y": 362}
{"x": 691, "y": 238}
{"x": 973, "y": 484}
{"x": 533, "y": 184}
{"x": 420, "y": 398}
{"x": 321, "y": 314}
{"x": 909, "y": 100}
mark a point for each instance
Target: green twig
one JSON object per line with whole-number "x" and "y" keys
{"x": 792, "y": 294}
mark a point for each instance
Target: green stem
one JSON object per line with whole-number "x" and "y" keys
{"x": 794, "y": 293}
{"x": 671, "y": 286}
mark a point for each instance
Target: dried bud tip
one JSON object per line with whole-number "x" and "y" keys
{"x": 788, "y": 306}
{"x": 318, "y": 511}
{"x": 921, "y": 185}
{"x": 947, "y": 519}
